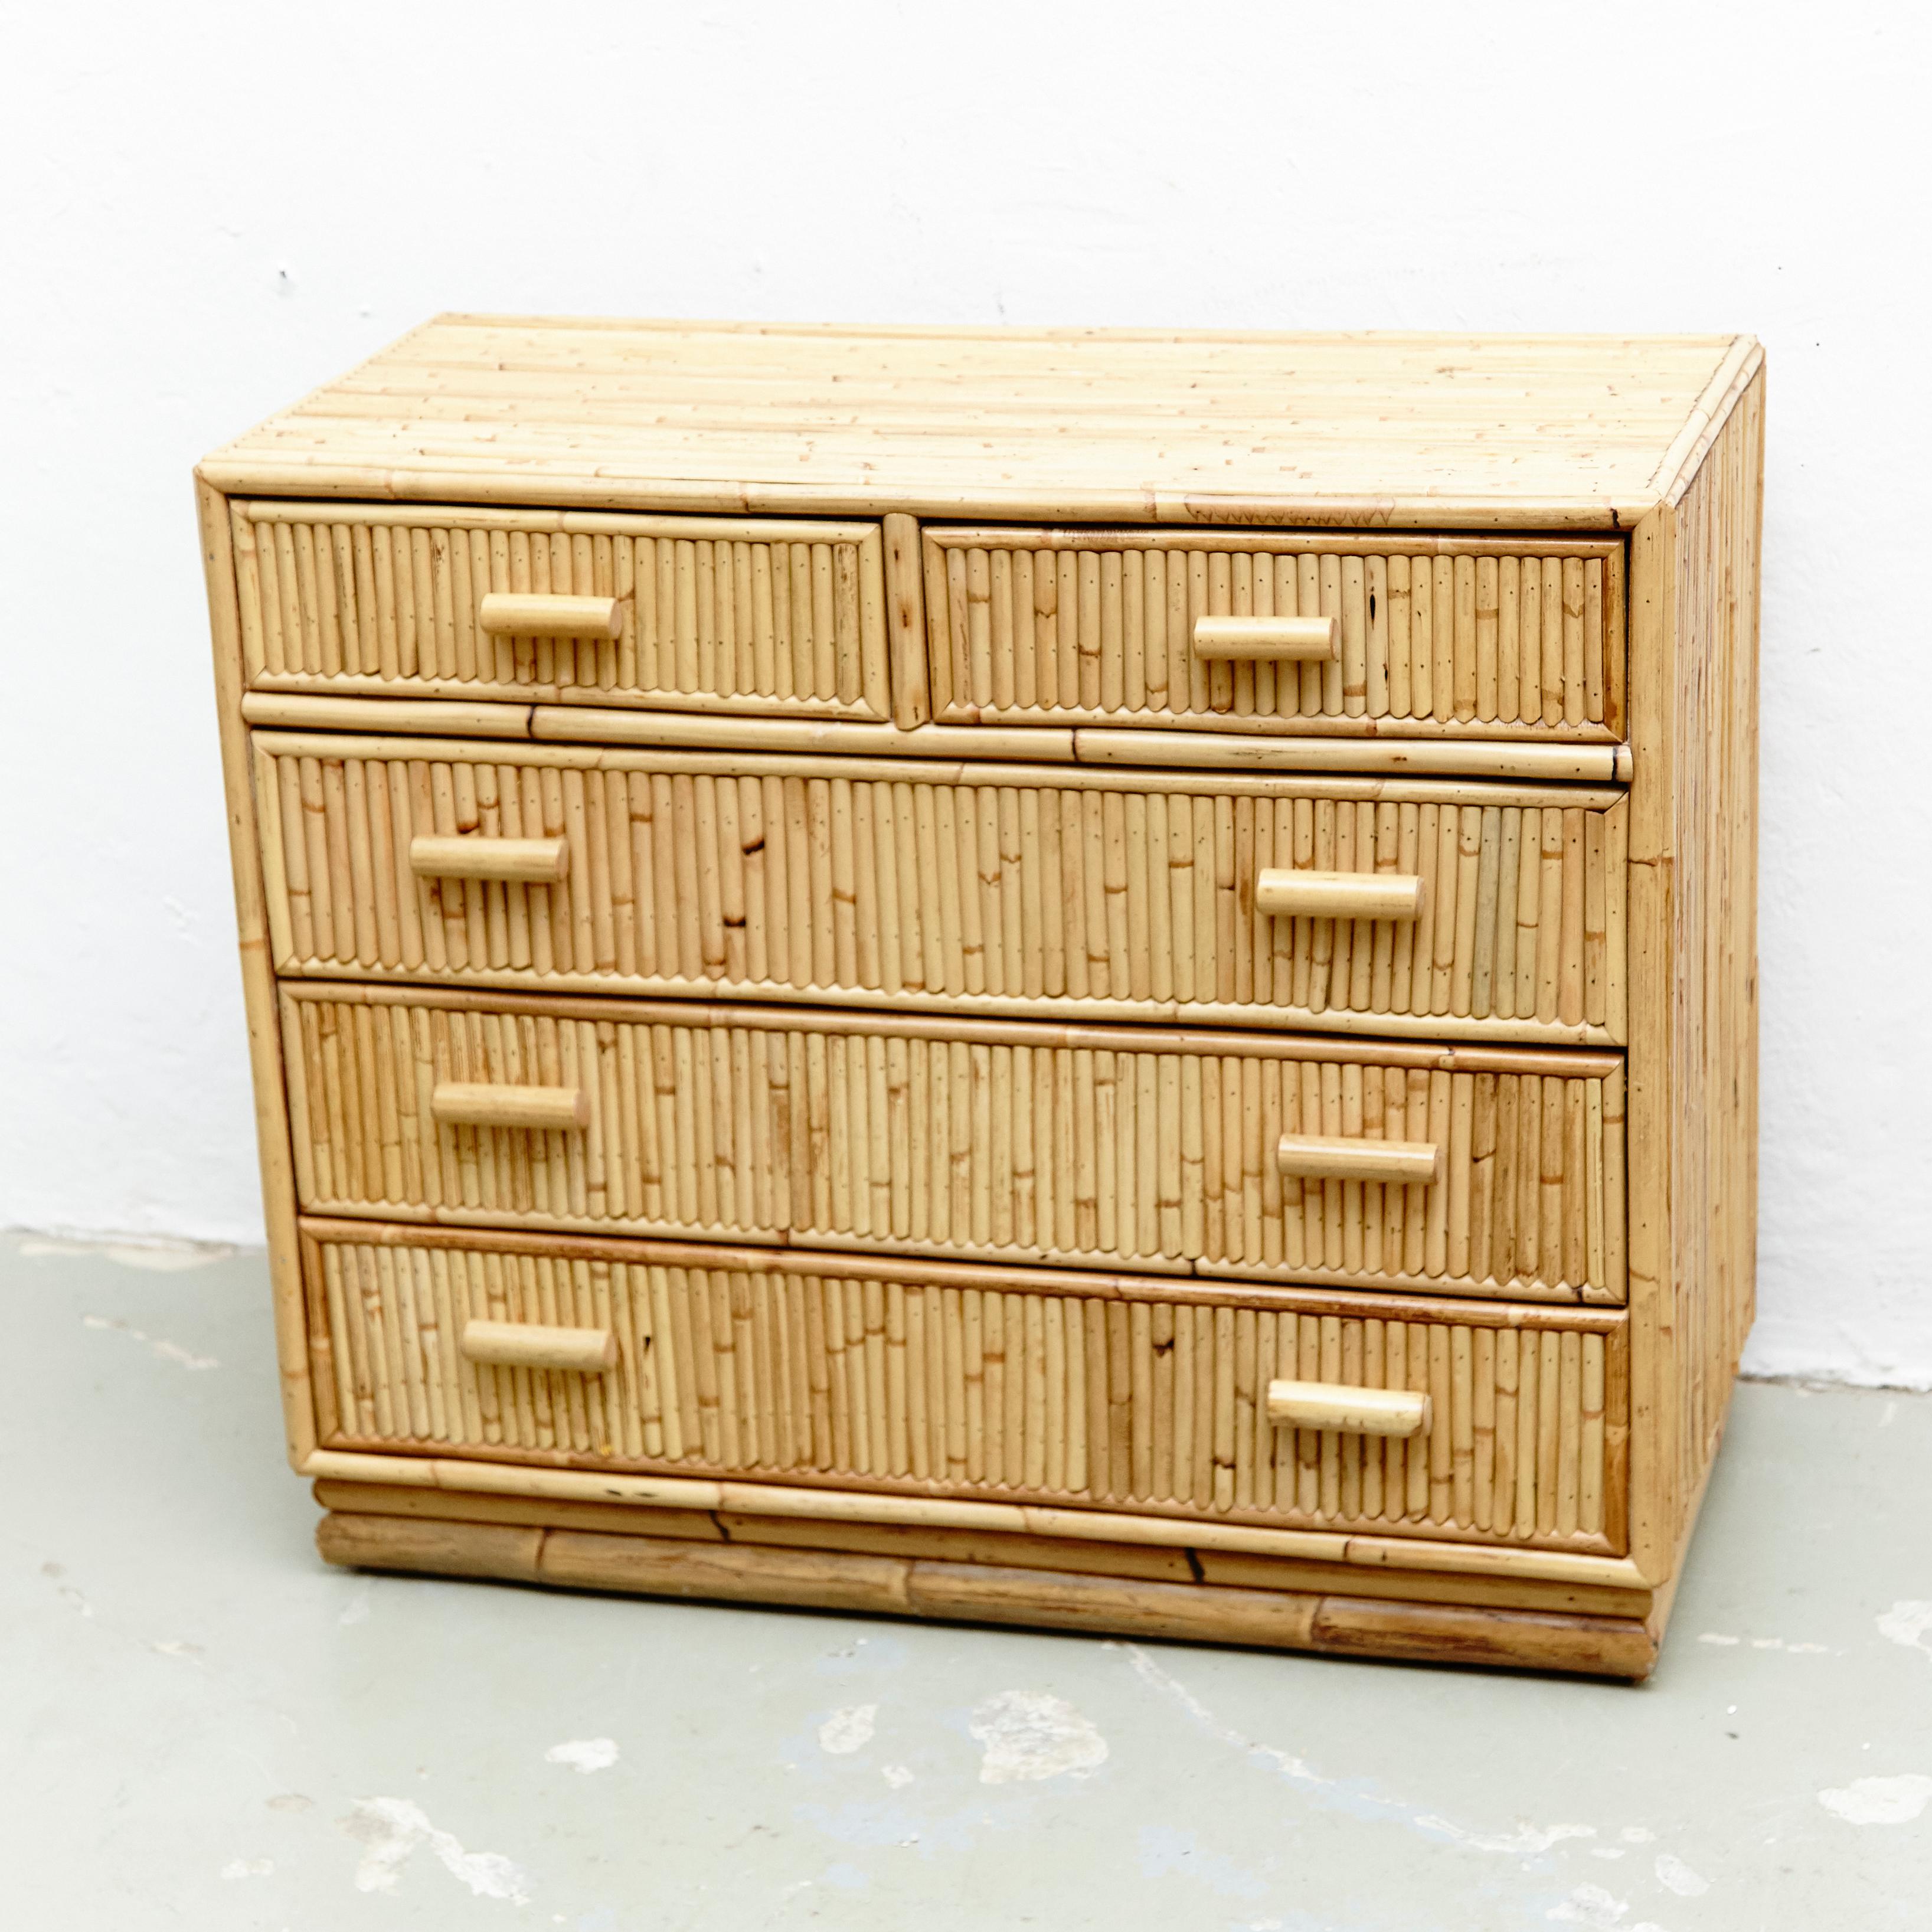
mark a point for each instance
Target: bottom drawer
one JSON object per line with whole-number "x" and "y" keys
{"x": 947, "y": 1379}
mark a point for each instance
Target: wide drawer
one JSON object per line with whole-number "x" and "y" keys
{"x": 1459, "y": 637}
{"x": 1091, "y": 1390}
{"x": 1088, "y": 894}
{"x": 691, "y": 613}
{"x": 1230, "y": 1153}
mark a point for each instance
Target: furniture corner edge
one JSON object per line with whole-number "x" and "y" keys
{"x": 258, "y": 981}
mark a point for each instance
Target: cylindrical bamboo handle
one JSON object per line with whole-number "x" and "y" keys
{"x": 469, "y": 1104}
{"x": 1356, "y": 1411}
{"x": 531, "y": 1345}
{"x": 528, "y": 614}
{"x": 1338, "y": 895}
{"x": 535, "y": 861}
{"x": 1313, "y": 1157}
{"x": 1291, "y": 637}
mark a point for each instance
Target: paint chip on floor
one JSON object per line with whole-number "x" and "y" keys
{"x": 1028, "y": 1735}
{"x": 899, "y": 1776}
{"x": 1909, "y": 1624}
{"x": 1601, "y": 1911}
{"x": 1674, "y": 1875}
{"x": 1766, "y": 1643}
{"x": 1524, "y": 1841}
{"x": 848, "y": 1730}
{"x": 584, "y": 1754}
{"x": 391, "y": 1829}
{"x": 168, "y": 1352}
{"x": 156, "y": 1257}
{"x": 1879, "y": 1801}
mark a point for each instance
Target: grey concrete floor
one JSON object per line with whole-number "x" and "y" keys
{"x": 201, "y": 1725}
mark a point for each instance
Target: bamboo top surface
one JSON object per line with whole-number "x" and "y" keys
{"x": 1087, "y": 425}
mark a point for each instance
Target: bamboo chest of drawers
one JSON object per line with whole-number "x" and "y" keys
{"x": 1080, "y": 978}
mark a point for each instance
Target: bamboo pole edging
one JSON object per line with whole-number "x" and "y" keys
{"x": 1178, "y": 773}
{"x": 268, "y": 706}
{"x": 1550, "y": 1062}
{"x": 676, "y": 722}
{"x": 960, "y": 749}
{"x": 1650, "y": 1123}
{"x": 756, "y": 1499}
{"x": 1417, "y": 758}
{"x": 1202, "y": 1283}
{"x": 1148, "y": 1561}
{"x": 255, "y": 905}
{"x": 1092, "y": 1283}
{"x": 1736, "y": 371}
{"x": 908, "y": 1496}
{"x": 1018, "y": 1008}
{"x": 912, "y": 1502}
{"x": 1420, "y": 738}
{"x": 566, "y": 523}
{"x": 640, "y": 489}
{"x": 1289, "y": 543}
{"x": 710, "y": 716}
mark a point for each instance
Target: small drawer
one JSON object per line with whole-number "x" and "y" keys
{"x": 1492, "y": 1423}
{"x": 686, "y": 614}
{"x": 1428, "y": 908}
{"x": 1470, "y": 1172}
{"x": 1260, "y": 632}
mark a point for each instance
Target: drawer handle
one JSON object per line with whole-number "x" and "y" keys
{"x": 459, "y": 1103}
{"x": 530, "y": 614}
{"x": 1313, "y": 1157}
{"x": 1354, "y": 1412}
{"x": 535, "y": 861}
{"x": 1396, "y": 896}
{"x": 528, "y": 1345}
{"x": 1306, "y": 639}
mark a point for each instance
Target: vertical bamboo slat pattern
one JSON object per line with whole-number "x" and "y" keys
{"x": 1706, "y": 1066}
{"x": 718, "y": 615}
{"x": 1441, "y": 636}
{"x": 1113, "y": 895}
{"x": 1098, "y": 1146}
{"x": 791, "y": 1370}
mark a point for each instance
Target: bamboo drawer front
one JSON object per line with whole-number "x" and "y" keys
{"x": 1093, "y": 977}
{"x": 1106, "y": 895}
{"x": 1099, "y": 1390}
{"x": 1007, "y": 1141}
{"x": 690, "y": 613}
{"x": 1483, "y": 637}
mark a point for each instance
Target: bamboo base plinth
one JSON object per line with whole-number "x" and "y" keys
{"x": 706, "y": 1561}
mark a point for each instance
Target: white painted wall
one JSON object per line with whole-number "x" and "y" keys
{"x": 209, "y": 209}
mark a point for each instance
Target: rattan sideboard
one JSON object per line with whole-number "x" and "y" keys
{"x": 1080, "y": 978}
